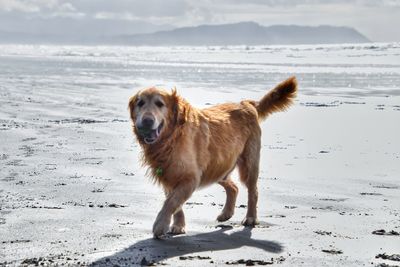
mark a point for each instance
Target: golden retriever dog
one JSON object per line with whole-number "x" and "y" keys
{"x": 187, "y": 148}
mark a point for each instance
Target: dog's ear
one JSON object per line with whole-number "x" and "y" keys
{"x": 131, "y": 106}
{"x": 178, "y": 108}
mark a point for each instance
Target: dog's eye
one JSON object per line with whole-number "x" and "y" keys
{"x": 159, "y": 104}
{"x": 140, "y": 103}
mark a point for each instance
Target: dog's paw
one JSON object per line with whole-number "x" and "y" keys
{"x": 177, "y": 230}
{"x": 250, "y": 221}
{"x": 224, "y": 216}
{"x": 160, "y": 228}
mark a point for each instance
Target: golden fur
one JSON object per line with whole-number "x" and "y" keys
{"x": 197, "y": 147}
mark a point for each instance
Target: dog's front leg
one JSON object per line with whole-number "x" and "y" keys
{"x": 178, "y": 226}
{"x": 175, "y": 199}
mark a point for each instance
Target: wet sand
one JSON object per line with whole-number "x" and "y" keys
{"x": 73, "y": 191}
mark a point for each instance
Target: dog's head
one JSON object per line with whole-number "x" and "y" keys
{"x": 153, "y": 113}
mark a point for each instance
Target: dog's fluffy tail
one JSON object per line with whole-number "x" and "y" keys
{"x": 278, "y": 99}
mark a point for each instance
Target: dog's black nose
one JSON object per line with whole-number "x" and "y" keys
{"x": 147, "y": 122}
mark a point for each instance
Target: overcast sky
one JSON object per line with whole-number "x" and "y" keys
{"x": 379, "y": 20}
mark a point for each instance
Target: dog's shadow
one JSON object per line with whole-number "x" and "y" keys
{"x": 151, "y": 251}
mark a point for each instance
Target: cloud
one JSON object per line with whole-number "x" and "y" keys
{"x": 115, "y": 16}
{"x": 23, "y": 9}
{"x": 67, "y": 7}
{"x": 137, "y": 8}
{"x": 292, "y": 3}
{"x": 28, "y": 6}
{"x": 14, "y": 5}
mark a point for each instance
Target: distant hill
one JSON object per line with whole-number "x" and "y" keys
{"x": 243, "y": 33}
{"x": 247, "y": 33}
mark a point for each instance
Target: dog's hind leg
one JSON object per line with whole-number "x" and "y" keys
{"x": 231, "y": 193}
{"x": 178, "y": 226}
{"x": 248, "y": 164}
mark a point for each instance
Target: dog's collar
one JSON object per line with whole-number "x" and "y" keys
{"x": 159, "y": 171}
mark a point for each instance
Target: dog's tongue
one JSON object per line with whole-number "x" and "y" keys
{"x": 154, "y": 134}
{"x": 151, "y": 136}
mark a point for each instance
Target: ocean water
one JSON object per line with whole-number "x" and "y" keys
{"x": 350, "y": 70}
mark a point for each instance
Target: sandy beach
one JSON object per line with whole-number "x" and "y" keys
{"x": 73, "y": 191}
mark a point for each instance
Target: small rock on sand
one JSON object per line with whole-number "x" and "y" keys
{"x": 332, "y": 251}
{"x": 182, "y": 258}
{"x": 393, "y": 257}
{"x": 383, "y": 232}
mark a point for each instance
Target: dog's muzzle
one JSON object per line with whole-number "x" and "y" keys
{"x": 149, "y": 135}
